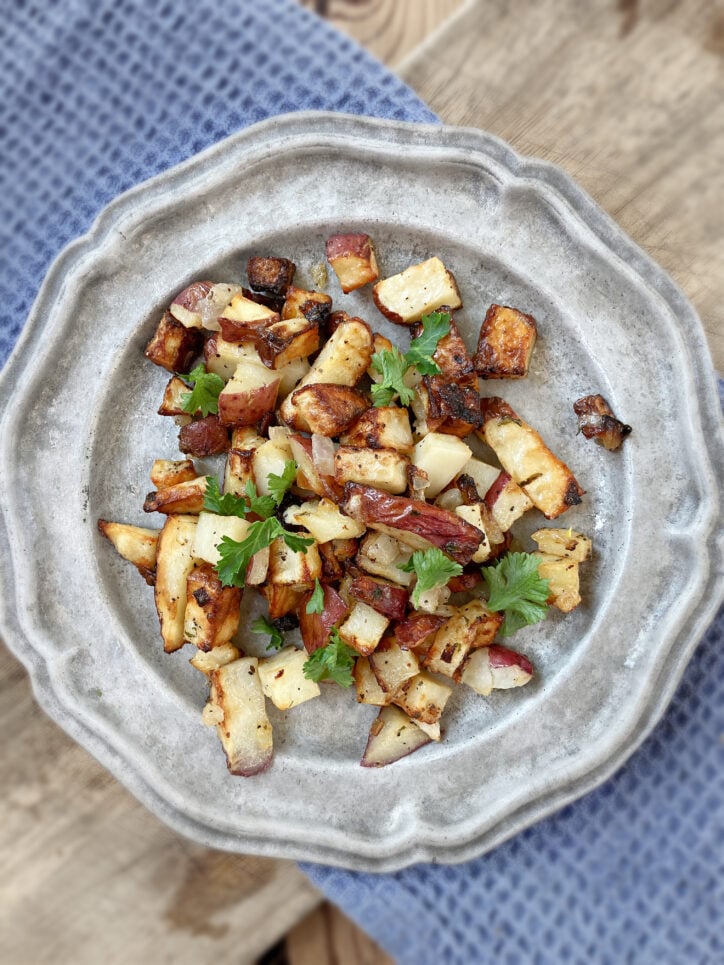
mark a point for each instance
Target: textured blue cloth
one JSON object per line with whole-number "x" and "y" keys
{"x": 97, "y": 96}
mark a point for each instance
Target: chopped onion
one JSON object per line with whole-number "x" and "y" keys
{"x": 450, "y": 499}
{"x": 323, "y": 455}
{"x": 210, "y": 307}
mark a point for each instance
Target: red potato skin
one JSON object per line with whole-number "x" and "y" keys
{"x": 275, "y": 302}
{"x": 315, "y": 627}
{"x": 496, "y": 408}
{"x": 502, "y": 657}
{"x": 173, "y": 346}
{"x": 416, "y": 632}
{"x": 453, "y": 535}
{"x": 465, "y": 582}
{"x": 331, "y": 489}
{"x": 391, "y": 601}
{"x": 190, "y": 297}
{"x": 233, "y": 331}
{"x": 204, "y": 437}
{"x": 247, "y": 408}
{"x": 340, "y": 245}
{"x": 491, "y": 497}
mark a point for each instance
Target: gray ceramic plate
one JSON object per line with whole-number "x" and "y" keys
{"x": 79, "y": 434}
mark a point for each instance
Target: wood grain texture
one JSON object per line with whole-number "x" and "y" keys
{"x": 626, "y": 96}
{"x": 327, "y": 937}
{"x": 390, "y": 29}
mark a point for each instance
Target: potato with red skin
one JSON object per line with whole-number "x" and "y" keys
{"x": 451, "y": 406}
{"x": 183, "y": 307}
{"x": 315, "y": 627}
{"x": 392, "y": 736}
{"x": 417, "y": 631}
{"x": 243, "y": 319}
{"x": 314, "y": 306}
{"x": 326, "y": 409}
{"x": 282, "y": 342}
{"x": 506, "y": 343}
{"x": 185, "y": 497}
{"x": 204, "y": 437}
{"x": 352, "y": 258}
{"x": 270, "y": 275}
{"x": 437, "y": 526}
{"x": 249, "y": 395}
{"x": 173, "y": 346}
{"x": 506, "y": 501}
{"x": 494, "y": 668}
{"x": 386, "y": 598}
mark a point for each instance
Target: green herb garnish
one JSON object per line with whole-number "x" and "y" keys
{"x": 432, "y": 569}
{"x": 335, "y": 661}
{"x": 204, "y": 397}
{"x": 517, "y": 589}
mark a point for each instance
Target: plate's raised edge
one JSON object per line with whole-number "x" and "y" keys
{"x": 607, "y": 231}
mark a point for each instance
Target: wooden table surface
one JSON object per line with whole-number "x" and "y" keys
{"x": 628, "y": 97}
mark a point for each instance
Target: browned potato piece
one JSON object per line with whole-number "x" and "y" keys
{"x": 507, "y": 339}
{"x": 172, "y": 403}
{"x": 135, "y": 544}
{"x": 287, "y": 568}
{"x": 385, "y": 469}
{"x": 173, "y": 346}
{"x": 282, "y": 599}
{"x": 185, "y": 304}
{"x": 185, "y": 497}
{"x": 471, "y": 626}
{"x": 218, "y": 657}
{"x": 174, "y": 562}
{"x": 366, "y": 685}
{"x": 392, "y": 736}
{"x": 386, "y": 427}
{"x": 417, "y": 291}
{"x": 166, "y": 472}
{"x": 563, "y": 543}
{"x": 238, "y": 709}
{"x": 562, "y": 576}
{"x": 314, "y": 306}
{"x": 353, "y": 259}
{"x": 204, "y": 437}
{"x": 597, "y": 421}
{"x": 325, "y": 408}
{"x": 239, "y": 471}
{"x": 269, "y": 275}
{"x": 212, "y": 610}
{"x": 249, "y": 395}
{"x": 451, "y": 354}
{"x": 452, "y": 407}
{"x": 393, "y": 666}
{"x": 243, "y": 319}
{"x": 546, "y": 479}
{"x": 423, "y": 698}
{"x": 364, "y": 628}
{"x": 282, "y": 342}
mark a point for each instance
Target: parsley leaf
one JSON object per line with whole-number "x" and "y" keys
{"x": 435, "y": 326}
{"x": 226, "y": 504}
{"x": 335, "y": 661}
{"x": 516, "y": 588}
{"x": 204, "y": 397}
{"x": 316, "y": 600}
{"x": 432, "y": 569}
{"x": 234, "y": 556}
{"x": 263, "y": 506}
{"x": 278, "y": 485}
{"x": 262, "y": 625}
{"x": 392, "y": 365}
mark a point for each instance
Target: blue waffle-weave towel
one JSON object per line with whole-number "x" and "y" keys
{"x": 97, "y": 96}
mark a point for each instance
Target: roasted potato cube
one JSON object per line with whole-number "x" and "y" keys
{"x": 385, "y": 469}
{"x": 387, "y": 598}
{"x": 288, "y": 568}
{"x": 185, "y": 304}
{"x": 382, "y": 555}
{"x": 474, "y": 515}
{"x": 392, "y": 736}
{"x": 416, "y": 291}
{"x": 353, "y": 259}
{"x": 248, "y": 395}
{"x": 239, "y": 471}
{"x": 507, "y": 339}
{"x": 173, "y": 397}
{"x": 244, "y": 728}
{"x": 379, "y": 344}
{"x": 562, "y": 576}
{"x": 271, "y": 276}
{"x": 204, "y": 437}
{"x": 268, "y": 458}
{"x": 291, "y": 375}
{"x": 546, "y": 479}
{"x": 135, "y": 544}
{"x": 174, "y": 562}
{"x": 366, "y": 685}
{"x": 364, "y": 628}
{"x": 472, "y": 626}
{"x": 495, "y": 668}
{"x": 482, "y": 474}
{"x": 393, "y": 666}
{"x": 185, "y": 497}
{"x": 323, "y": 520}
{"x": 222, "y": 357}
{"x": 209, "y": 661}
{"x": 386, "y": 427}
{"x": 173, "y": 346}
{"x": 452, "y": 407}
{"x": 283, "y": 681}
{"x": 210, "y": 531}
{"x": 314, "y": 306}
{"x": 441, "y": 457}
{"x": 507, "y": 501}
{"x": 326, "y": 409}
{"x": 282, "y": 342}
{"x": 281, "y": 599}
{"x": 451, "y": 354}
{"x": 564, "y": 543}
{"x": 417, "y": 630}
{"x": 597, "y": 421}
{"x": 243, "y": 320}
{"x": 212, "y": 610}
{"x": 315, "y": 627}
{"x": 423, "y": 698}
{"x": 167, "y": 472}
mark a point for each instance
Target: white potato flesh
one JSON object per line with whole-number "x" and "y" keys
{"x": 289, "y": 568}
{"x": 208, "y": 661}
{"x": 345, "y": 357}
{"x": 364, "y": 628}
{"x": 416, "y": 291}
{"x": 242, "y": 309}
{"x": 564, "y": 543}
{"x": 245, "y": 731}
{"x": 228, "y": 355}
{"x": 441, "y": 456}
{"x": 563, "y": 582}
{"x": 366, "y": 685}
{"x": 477, "y": 673}
{"x": 393, "y": 666}
{"x": 474, "y": 515}
{"x": 324, "y": 520}
{"x": 291, "y": 374}
{"x": 134, "y": 543}
{"x": 283, "y": 681}
{"x": 392, "y": 736}
{"x": 385, "y": 469}
{"x": 211, "y": 530}
{"x": 423, "y": 698}
{"x": 174, "y": 562}
{"x": 268, "y": 458}
{"x": 383, "y": 555}
{"x": 249, "y": 394}
{"x": 482, "y": 474}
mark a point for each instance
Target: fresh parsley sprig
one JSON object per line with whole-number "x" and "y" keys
{"x": 229, "y": 504}
{"x": 278, "y": 485}
{"x": 432, "y": 569}
{"x": 393, "y": 365}
{"x": 517, "y": 590}
{"x": 262, "y": 625}
{"x": 234, "y": 556}
{"x": 263, "y": 506}
{"x": 335, "y": 661}
{"x": 223, "y": 504}
{"x": 204, "y": 397}
{"x": 316, "y": 600}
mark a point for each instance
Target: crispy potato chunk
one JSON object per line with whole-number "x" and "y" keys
{"x": 392, "y": 736}
{"x": 448, "y": 406}
{"x": 546, "y": 479}
{"x": 507, "y": 339}
{"x": 386, "y": 598}
{"x": 204, "y": 437}
{"x": 563, "y": 543}
{"x": 212, "y": 610}
{"x": 223, "y": 357}
{"x": 385, "y": 469}
{"x": 416, "y": 291}
{"x": 249, "y": 395}
{"x": 244, "y": 728}
{"x": 352, "y": 258}
{"x": 384, "y": 427}
{"x": 135, "y": 544}
{"x": 393, "y": 666}
{"x": 451, "y": 354}
{"x": 243, "y": 319}
{"x": 172, "y": 402}
{"x": 325, "y": 408}
{"x": 364, "y": 628}
{"x": 471, "y": 626}
{"x": 282, "y": 342}
{"x": 323, "y": 520}
{"x": 283, "y": 681}
{"x": 366, "y": 685}
{"x": 288, "y": 568}
{"x": 423, "y": 698}
{"x": 315, "y": 627}
{"x": 282, "y": 599}
{"x": 167, "y": 472}
{"x": 507, "y": 501}
{"x": 185, "y": 497}
{"x": 314, "y": 306}
{"x": 174, "y": 562}
{"x": 562, "y": 576}
{"x": 597, "y": 421}
{"x": 382, "y": 555}
{"x": 209, "y": 661}
{"x": 269, "y": 275}
{"x": 173, "y": 346}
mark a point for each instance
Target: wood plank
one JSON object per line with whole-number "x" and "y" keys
{"x": 390, "y": 29}
{"x": 628, "y": 97}
{"x": 327, "y": 937}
